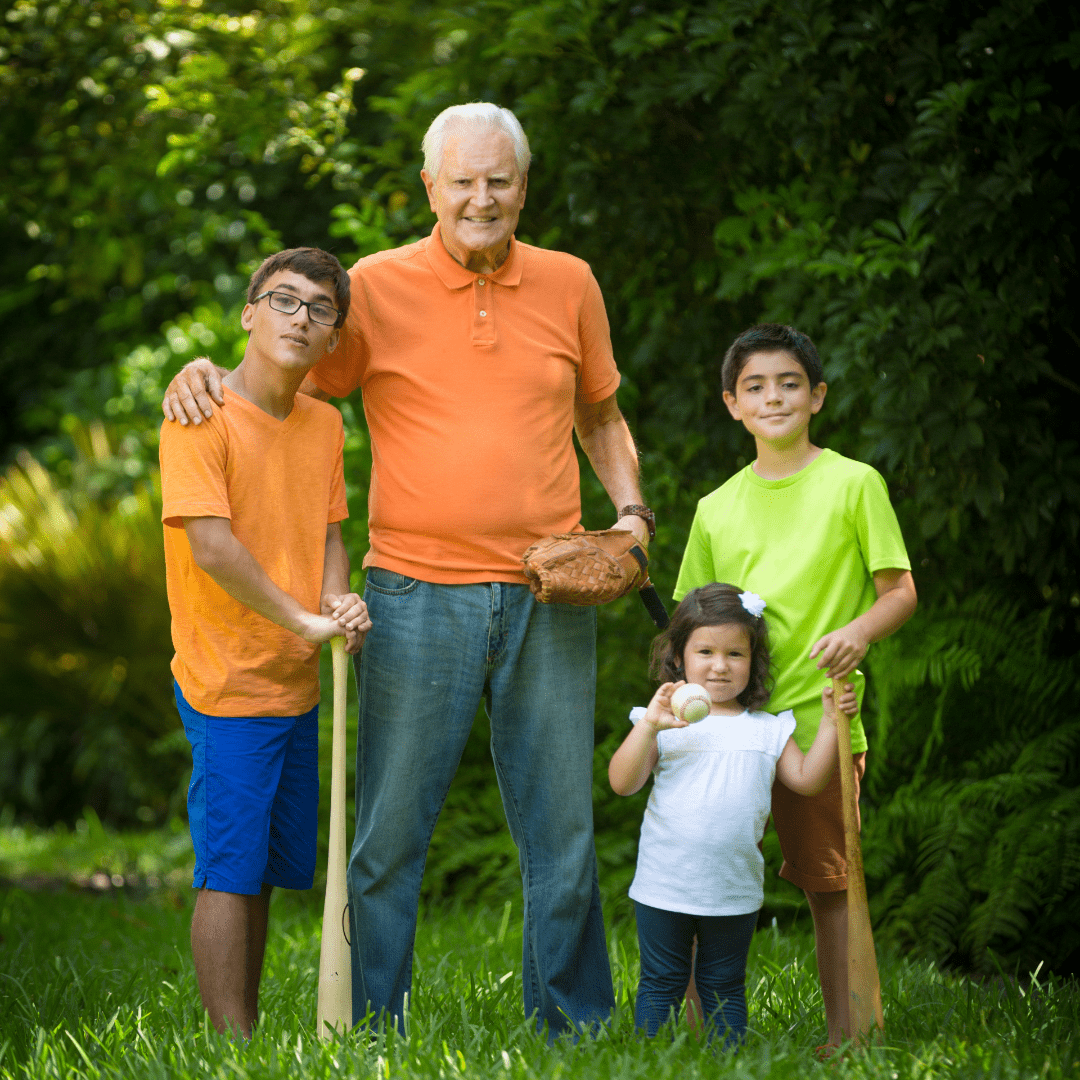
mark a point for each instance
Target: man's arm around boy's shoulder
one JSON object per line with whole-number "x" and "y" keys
{"x": 196, "y": 388}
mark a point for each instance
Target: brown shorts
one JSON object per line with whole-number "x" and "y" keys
{"x": 811, "y": 831}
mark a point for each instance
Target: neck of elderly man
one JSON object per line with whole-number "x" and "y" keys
{"x": 477, "y": 193}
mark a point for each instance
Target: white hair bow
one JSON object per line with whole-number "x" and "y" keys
{"x": 753, "y": 603}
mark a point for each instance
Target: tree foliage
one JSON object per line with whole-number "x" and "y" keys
{"x": 894, "y": 180}
{"x": 158, "y": 150}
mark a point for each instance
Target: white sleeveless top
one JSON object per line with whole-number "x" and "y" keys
{"x": 712, "y": 788}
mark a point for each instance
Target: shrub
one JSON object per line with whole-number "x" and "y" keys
{"x": 86, "y": 717}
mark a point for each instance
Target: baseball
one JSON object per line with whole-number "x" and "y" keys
{"x": 691, "y": 703}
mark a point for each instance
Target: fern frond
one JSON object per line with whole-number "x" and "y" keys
{"x": 1003, "y": 917}
{"x": 1052, "y": 751}
{"x": 977, "y": 847}
{"x": 1012, "y": 790}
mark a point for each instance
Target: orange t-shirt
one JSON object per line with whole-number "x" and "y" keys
{"x": 469, "y": 384}
{"x": 280, "y": 483}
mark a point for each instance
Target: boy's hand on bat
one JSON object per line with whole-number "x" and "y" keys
{"x": 841, "y": 651}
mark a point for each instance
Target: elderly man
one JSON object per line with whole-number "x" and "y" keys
{"x": 477, "y": 356}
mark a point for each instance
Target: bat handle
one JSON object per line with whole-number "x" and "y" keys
{"x": 654, "y": 605}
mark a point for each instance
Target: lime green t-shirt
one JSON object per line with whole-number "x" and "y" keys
{"x": 808, "y": 545}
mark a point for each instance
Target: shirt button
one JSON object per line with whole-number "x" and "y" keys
{"x": 482, "y": 314}
{"x": 480, "y": 282}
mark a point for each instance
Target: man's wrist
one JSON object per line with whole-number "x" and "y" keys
{"x": 639, "y": 511}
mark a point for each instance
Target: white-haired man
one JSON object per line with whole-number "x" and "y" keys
{"x": 478, "y": 357}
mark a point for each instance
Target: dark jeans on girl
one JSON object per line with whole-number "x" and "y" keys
{"x": 666, "y": 941}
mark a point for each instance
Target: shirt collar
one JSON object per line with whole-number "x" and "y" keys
{"x": 454, "y": 276}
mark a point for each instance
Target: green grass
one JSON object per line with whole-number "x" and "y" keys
{"x": 101, "y": 985}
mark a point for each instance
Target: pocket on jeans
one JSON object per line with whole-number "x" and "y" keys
{"x": 389, "y": 582}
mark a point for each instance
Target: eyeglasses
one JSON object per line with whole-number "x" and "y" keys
{"x": 288, "y": 304}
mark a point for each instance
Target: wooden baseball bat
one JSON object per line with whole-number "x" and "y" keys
{"x": 335, "y": 956}
{"x": 864, "y": 986}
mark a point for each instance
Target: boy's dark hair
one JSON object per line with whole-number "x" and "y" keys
{"x": 714, "y": 605}
{"x": 770, "y": 337}
{"x": 315, "y": 264}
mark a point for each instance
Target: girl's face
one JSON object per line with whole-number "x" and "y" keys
{"x": 718, "y": 658}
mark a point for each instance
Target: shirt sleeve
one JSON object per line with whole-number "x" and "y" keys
{"x": 193, "y": 460}
{"x": 637, "y": 714}
{"x": 598, "y": 377}
{"x": 785, "y": 728}
{"x": 339, "y": 503}
{"x": 877, "y": 528}
{"x": 697, "y": 562}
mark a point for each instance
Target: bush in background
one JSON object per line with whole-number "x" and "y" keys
{"x": 85, "y": 718}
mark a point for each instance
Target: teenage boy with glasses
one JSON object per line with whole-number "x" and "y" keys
{"x": 257, "y": 578}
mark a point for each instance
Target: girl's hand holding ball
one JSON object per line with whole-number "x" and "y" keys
{"x": 660, "y": 714}
{"x": 691, "y": 703}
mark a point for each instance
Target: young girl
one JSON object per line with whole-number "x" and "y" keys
{"x": 700, "y": 871}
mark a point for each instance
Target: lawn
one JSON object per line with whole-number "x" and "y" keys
{"x": 96, "y": 981}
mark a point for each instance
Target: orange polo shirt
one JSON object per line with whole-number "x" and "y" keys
{"x": 280, "y": 483}
{"x": 469, "y": 384}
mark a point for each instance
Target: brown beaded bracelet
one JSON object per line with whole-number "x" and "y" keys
{"x": 644, "y": 513}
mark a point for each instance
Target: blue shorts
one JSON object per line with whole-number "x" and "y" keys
{"x": 253, "y": 803}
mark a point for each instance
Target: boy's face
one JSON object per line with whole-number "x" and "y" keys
{"x": 774, "y": 399}
{"x": 295, "y": 341}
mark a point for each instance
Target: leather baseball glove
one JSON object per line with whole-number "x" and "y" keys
{"x": 588, "y": 568}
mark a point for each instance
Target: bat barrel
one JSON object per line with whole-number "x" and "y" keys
{"x": 335, "y": 956}
{"x": 864, "y": 986}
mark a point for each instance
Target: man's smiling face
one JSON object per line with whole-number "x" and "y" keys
{"x": 477, "y": 195}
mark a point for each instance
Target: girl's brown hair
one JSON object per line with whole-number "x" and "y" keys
{"x": 714, "y": 605}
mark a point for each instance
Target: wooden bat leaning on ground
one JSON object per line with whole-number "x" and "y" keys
{"x": 864, "y": 986}
{"x": 335, "y": 957}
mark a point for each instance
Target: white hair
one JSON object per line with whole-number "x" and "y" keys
{"x": 479, "y": 113}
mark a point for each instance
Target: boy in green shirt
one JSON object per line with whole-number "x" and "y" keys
{"x": 813, "y": 533}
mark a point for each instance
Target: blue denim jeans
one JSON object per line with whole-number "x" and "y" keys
{"x": 433, "y": 653}
{"x": 666, "y": 943}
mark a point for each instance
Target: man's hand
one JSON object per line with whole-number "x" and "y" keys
{"x": 632, "y": 523}
{"x": 351, "y": 613}
{"x": 188, "y": 396}
{"x": 841, "y": 651}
